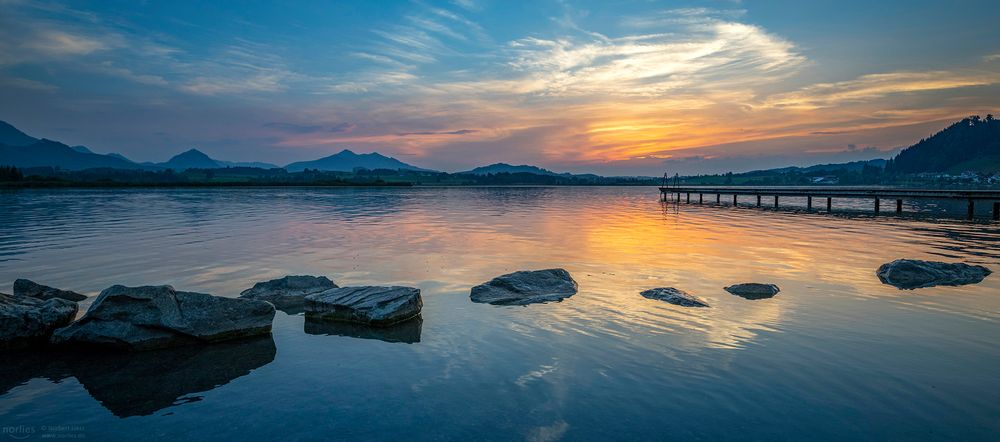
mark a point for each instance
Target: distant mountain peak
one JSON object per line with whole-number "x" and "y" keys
{"x": 347, "y": 160}
{"x": 191, "y": 159}
{"x": 12, "y": 136}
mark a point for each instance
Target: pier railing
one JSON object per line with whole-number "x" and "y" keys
{"x": 876, "y": 194}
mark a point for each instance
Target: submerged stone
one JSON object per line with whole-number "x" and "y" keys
{"x": 26, "y": 321}
{"x": 407, "y": 332}
{"x": 24, "y": 287}
{"x": 912, "y": 273}
{"x": 526, "y": 287}
{"x": 290, "y": 292}
{"x": 753, "y": 290}
{"x": 674, "y": 296}
{"x": 372, "y": 305}
{"x": 149, "y": 317}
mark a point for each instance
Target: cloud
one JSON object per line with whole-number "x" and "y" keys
{"x": 471, "y": 5}
{"x": 308, "y": 129}
{"x": 24, "y": 83}
{"x": 453, "y": 132}
{"x": 874, "y": 86}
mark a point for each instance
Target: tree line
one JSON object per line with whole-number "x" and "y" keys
{"x": 10, "y": 173}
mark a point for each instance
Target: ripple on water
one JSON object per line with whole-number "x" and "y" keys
{"x": 836, "y": 354}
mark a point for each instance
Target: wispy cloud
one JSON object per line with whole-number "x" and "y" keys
{"x": 452, "y": 132}
{"x": 875, "y": 86}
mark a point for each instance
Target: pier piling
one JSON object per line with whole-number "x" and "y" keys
{"x": 829, "y": 204}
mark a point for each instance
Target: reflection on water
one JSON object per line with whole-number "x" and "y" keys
{"x": 142, "y": 383}
{"x": 406, "y": 332}
{"x": 835, "y": 355}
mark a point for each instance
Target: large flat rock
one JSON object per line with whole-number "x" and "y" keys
{"x": 27, "y": 288}
{"x": 674, "y": 296}
{"x": 526, "y": 287}
{"x": 372, "y": 305}
{"x": 913, "y": 273}
{"x": 288, "y": 293}
{"x": 142, "y": 318}
{"x": 27, "y": 321}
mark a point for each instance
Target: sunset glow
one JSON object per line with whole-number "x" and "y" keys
{"x": 633, "y": 88}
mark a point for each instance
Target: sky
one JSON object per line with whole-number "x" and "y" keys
{"x": 615, "y": 88}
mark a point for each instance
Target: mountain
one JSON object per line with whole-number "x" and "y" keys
{"x": 347, "y": 161}
{"x": 507, "y": 168}
{"x": 972, "y": 144}
{"x": 852, "y": 166}
{"x": 191, "y": 159}
{"x": 54, "y": 154}
{"x": 81, "y": 149}
{"x": 196, "y": 159}
{"x": 118, "y": 155}
{"x": 11, "y": 136}
{"x": 256, "y": 164}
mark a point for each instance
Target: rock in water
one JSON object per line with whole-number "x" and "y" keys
{"x": 24, "y": 287}
{"x": 912, "y": 273}
{"x": 289, "y": 292}
{"x": 674, "y": 296}
{"x": 25, "y": 320}
{"x": 526, "y": 287}
{"x": 753, "y": 290}
{"x": 141, "y": 318}
{"x": 378, "y": 306}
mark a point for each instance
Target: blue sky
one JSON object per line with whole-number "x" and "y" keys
{"x": 631, "y": 87}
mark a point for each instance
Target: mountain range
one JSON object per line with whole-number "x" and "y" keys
{"x": 972, "y": 144}
{"x": 22, "y": 150}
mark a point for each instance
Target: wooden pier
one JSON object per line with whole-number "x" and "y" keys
{"x": 874, "y": 194}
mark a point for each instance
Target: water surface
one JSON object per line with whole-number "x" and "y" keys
{"x": 835, "y": 355}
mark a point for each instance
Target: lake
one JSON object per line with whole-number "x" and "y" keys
{"x": 836, "y": 355}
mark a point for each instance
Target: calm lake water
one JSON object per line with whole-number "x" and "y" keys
{"x": 836, "y": 355}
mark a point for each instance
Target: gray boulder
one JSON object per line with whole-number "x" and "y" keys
{"x": 674, "y": 296}
{"x": 753, "y": 290}
{"x": 25, "y": 321}
{"x": 141, "y": 318}
{"x": 290, "y": 292}
{"x": 377, "y": 306}
{"x": 912, "y": 273}
{"x": 526, "y": 287}
{"x": 24, "y": 287}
